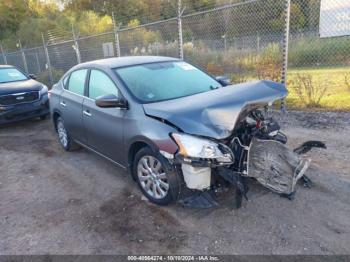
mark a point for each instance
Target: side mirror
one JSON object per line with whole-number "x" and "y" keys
{"x": 224, "y": 80}
{"x": 32, "y": 76}
{"x": 110, "y": 101}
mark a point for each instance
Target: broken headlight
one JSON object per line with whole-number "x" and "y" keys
{"x": 191, "y": 146}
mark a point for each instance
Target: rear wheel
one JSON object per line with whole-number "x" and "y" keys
{"x": 63, "y": 136}
{"x": 158, "y": 181}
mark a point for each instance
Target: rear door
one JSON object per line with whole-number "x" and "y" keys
{"x": 71, "y": 104}
{"x": 104, "y": 126}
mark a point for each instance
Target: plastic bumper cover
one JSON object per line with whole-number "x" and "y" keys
{"x": 14, "y": 113}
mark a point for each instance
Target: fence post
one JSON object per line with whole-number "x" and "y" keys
{"x": 225, "y": 42}
{"x": 285, "y": 51}
{"x": 47, "y": 60}
{"x": 179, "y": 25}
{"x": 3, "y": 54}
{"x": 76, "y": 46}
{"x": 23, "y": 57}
{"x": 116, "y": 35}
{"x": 37, "y": 62}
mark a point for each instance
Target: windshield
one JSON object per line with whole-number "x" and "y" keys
{"x": 11, "y": 75}
{"x": 166, "y": 80}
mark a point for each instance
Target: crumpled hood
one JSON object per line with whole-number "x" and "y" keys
{"x": 19, "y": 87}
{"x": 215, "y": 113}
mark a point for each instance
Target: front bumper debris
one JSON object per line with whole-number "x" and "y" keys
{"x": 275, "y": 166}
{"x": 205, "y": 199}
{"x": 196, "y": 177}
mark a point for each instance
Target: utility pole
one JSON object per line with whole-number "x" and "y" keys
{"x": 23, "y": 57}
{"x": 285, "y": 51}
{"x": 76, "y": 46}
{"x": 48, "y": 63}
{"x": 179, "y": 25}
{"x": 37, "y": 62}
{"x": 225, "y": 42}
{"x": 3, "y": 54}
{"x": 116, "y": 35}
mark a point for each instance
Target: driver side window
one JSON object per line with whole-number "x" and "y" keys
{"x": 100, "y": 84}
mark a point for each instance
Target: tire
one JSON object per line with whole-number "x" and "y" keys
{"x": 153, "y": 182}
{"x": 43, "y": 117}
{"x": 64, "y": 138}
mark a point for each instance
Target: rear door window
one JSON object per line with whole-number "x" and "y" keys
{"x": 77, "y": 81}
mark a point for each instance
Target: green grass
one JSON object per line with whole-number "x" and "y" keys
{"x": 337, "y": 96}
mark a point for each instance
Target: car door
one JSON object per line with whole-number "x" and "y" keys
{"x": 104, "y": 126}
{"x": 71, "y": 104}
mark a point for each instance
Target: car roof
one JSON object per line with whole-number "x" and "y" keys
{"x": 6, "y": 66}
{"x": 126, "y": 61}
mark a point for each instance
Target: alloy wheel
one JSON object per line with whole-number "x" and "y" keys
{"x": 62, "y": 134}
{"x": 152, "y": 177}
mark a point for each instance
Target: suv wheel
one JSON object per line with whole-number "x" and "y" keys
{"x": 43, "y": 117}
{"x": 157, "y": 180}
{"x": 63, "y": 136}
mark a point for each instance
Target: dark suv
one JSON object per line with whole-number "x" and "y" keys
{"x": 178, "y": 130}
{"x": 21, "y": 97}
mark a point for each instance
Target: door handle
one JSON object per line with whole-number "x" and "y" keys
{"x": 63, "y": 104}
{"x": 87, "y": 113}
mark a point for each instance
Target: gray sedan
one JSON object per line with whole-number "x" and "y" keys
{"x": 180, "y": 132}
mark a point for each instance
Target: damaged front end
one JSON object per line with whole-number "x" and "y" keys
{"x": 227, "y": 136}
{"x": 255, "y": 150}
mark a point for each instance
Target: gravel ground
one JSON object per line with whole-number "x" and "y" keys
{"x": 54, "y": 202}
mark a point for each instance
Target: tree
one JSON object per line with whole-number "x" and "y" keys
{"x": 88, "y": 22}
{"x": 12, "y": 13}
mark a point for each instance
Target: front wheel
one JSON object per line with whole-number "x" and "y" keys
{"x": 158, "y": 181}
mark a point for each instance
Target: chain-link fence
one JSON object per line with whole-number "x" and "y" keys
{"x": 230, "y": 40}
{"x": 96, "y": 47}
{"x": 158, "y": 38}
{"x": 243, "y": 39}
{"x": 317, "y": 43}
{"x": 319, "y": 53}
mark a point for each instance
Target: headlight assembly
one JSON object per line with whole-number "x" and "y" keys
{"x": 43, "y": 90}
{"x": 195, "y": 147}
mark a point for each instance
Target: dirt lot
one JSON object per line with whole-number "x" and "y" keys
{"x": 78, "y": 203}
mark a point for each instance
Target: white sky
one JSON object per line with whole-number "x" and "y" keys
{"x": 334, "y": 4}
